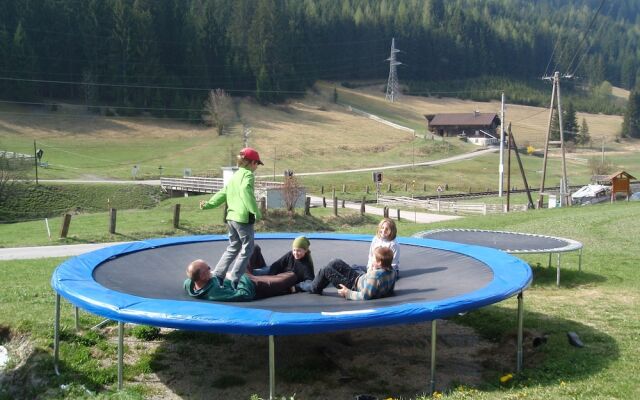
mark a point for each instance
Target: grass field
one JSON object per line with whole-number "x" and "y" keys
{"x": 600, "y": 304}
{"x": 305, "y": 135}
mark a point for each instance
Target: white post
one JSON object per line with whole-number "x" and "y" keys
{"x": 501, "y": 166}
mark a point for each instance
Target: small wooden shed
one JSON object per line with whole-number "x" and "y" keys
{"x": 620, "y": 183}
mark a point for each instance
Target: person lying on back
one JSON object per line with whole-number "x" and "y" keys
{"x": 352, "y": 284}
{"x": 200, "y": 284}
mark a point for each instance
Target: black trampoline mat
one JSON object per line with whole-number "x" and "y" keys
{"x": 505, "y": 241}
{"x": 427, "y": 274}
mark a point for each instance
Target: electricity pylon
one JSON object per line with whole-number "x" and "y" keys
{"x": 392, "y": 84}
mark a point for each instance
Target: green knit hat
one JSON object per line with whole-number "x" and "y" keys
{"x": 301, "y": 242}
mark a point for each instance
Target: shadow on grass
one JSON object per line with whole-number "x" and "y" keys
{"x": 546, "y": 362}
{"x": 570, "y": 276}
{"x": 313, "y": 365}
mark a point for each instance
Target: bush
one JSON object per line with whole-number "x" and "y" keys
{"x": 144, "y": 332}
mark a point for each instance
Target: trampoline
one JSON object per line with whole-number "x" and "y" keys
{"x": 141, "y": 283}
{"x": 510, "y": 242}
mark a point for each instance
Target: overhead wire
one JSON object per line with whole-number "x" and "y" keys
{"x": 584, "y": 36}
{"x": 597, "y": 35}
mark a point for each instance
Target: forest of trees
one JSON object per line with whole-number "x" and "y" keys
{"x": 165, "y": 56}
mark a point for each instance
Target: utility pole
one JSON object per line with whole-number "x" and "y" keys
{"x": 501, "y": 166}
{"x": 393, "y": 88}
{"x": 35, "y": 158}
{"x": 555, "y": 95}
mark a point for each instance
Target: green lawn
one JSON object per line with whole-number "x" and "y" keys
{"x": 600, "y": 303}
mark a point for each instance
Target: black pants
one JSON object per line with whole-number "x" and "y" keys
{"x": 336, "y": 272}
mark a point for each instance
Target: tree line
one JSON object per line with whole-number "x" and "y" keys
{"x": 163, "y": 57}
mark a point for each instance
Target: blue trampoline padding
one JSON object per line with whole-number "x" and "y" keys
{"x": 73, "y": 280}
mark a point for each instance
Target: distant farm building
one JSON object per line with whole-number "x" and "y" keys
{"x": 476, "y": 127}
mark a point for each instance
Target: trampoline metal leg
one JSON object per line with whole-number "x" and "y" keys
{"x": 77, "y": 318}
{"x": 549, "y": 263}
{"x": 120, "y": 353}
{"x": 520, "y": 323}
{"x": 56, "y": 336}
{"x": 272, "y": 369}
{"x": 580, "y": 260}
{"x": 432, "y": 385}
{"x": 558, "y": 272}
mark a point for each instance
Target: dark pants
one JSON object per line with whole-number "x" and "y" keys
{"x": 337, "y": 272}
{"x": 273, "y": 285}
{"x": 256, "y": 261}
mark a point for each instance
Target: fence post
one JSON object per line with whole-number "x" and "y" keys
{"x": 398, "y": 214}
{"x": 322, "y": 189}
{"x": 176, "y": 216}
{"x": 263, "y": 205}
{"x": 367, "y": 189}
{"x": 484, "y": 209}
{"x": 389, "y": 188}
{"x": 362, "y": 205}
{"x": 424, "y": 187}
{"x": 344, "y": 188}
{"x": 64, "y": 230}
{"x": 405, "y": 187}
{"x": 307, "y": 206}
{"x": 324, "y": 202}
{"x": 112, "y": 220}
{"x": 385, "y": 212}
{"x": 335, "y": 206}
{"x": 342, "y": 203}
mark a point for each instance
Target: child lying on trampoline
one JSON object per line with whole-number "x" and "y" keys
{"x": 353, "y": 284}
{"x": 298, "y": 260}
{"x": 201, "y": 285}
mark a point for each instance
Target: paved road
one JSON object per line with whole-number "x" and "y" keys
{"x": 447, "y": 160}
{"x": 24, "y": 253}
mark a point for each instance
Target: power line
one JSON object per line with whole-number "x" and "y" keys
{"x": 584, "y": 37}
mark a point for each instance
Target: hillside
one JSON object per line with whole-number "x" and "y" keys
{"x": 308, "y": 134}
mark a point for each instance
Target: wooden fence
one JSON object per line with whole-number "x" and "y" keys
{"x": 450, "y": 207}
{"x": 198, "y": 184}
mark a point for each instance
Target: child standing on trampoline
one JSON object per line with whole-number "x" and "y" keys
{"x": 242, "y": 213}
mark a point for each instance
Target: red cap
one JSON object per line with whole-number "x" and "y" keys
{"x": 250, "y": 154}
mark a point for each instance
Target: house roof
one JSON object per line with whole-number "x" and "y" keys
{"x": 610, "y": 177}
{"x": 466, "y": 119}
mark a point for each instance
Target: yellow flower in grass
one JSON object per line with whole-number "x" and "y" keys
{"x": 506, "y": 378}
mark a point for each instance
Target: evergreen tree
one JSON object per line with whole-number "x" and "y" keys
{"x": 583, "y": 134}
{"x": 631, "y": 123}
{"x": 570, "y": 123}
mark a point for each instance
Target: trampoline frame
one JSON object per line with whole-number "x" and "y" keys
{"x": 572, "y": 245}
{"x": 411, "y": 241}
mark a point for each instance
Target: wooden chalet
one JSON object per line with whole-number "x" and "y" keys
{"x": 474, "y": 124}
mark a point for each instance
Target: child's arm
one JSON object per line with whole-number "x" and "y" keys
{"x": 395, "y": 248}
{"x": 215, "y": 200}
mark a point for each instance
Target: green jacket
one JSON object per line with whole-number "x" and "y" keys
{"x": 239, "y": 196}
{"x": 246, "y": 290}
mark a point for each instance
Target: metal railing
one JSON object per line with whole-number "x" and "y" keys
{"x": 450, "y": 207}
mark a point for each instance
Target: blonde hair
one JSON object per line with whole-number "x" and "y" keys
{"x": 392, "y": 228}
{"x": 242, "y": 162}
